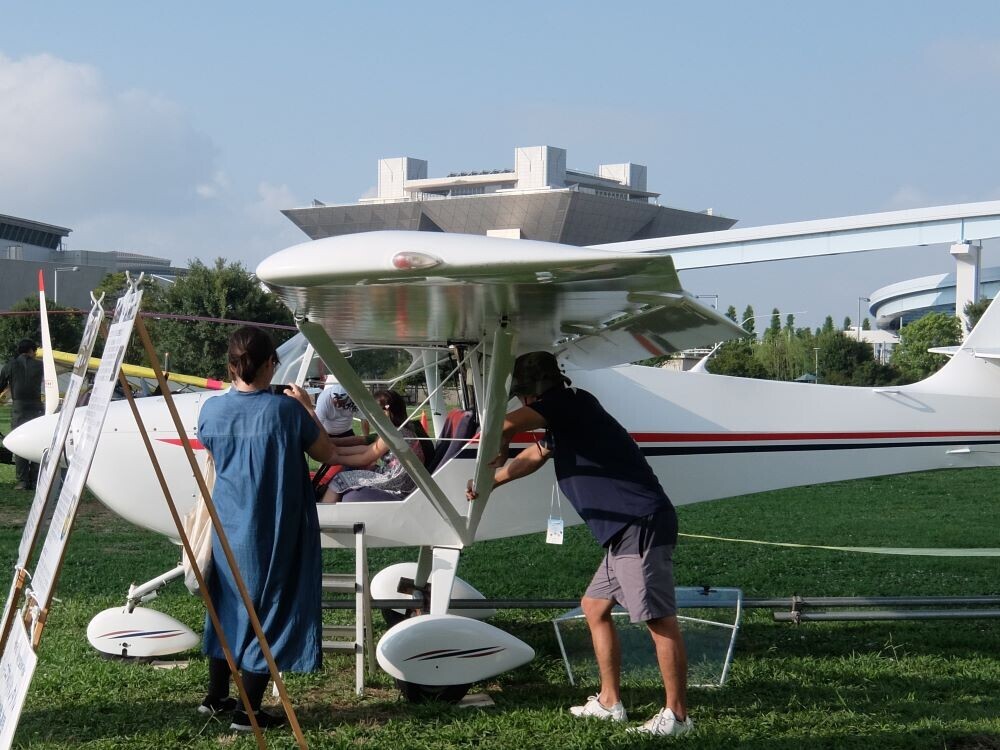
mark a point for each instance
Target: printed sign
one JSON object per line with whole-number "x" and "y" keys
{"x": 50, "y": 461}
{"x": 46, "y": 568}
{"x": 17, "y": 667}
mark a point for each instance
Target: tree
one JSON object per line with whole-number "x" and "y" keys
{"x": 790, "y": 323}
{"x": 974, "y": 311}
{"x": 841, "y": 355}
{"x": 220, "y": 291}
{"x": 747, "y": 321}
{"x": 910, "y": 356}
{"x": 774, "y": 329}
{"x": 113, "y": 286}
{"x": 66, "y": 329}
{"x": 866, "y": 325}
{"x": 847, "y": 323}
{"x": 736, "y": 358}
{"x": 731, "y": 313}
{"x": 827, "y": 325}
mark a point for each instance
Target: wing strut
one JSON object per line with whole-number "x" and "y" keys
{"x": 347, "y": 377}
{"x": 494, "y": 400}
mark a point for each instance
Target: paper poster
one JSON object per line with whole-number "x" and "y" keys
{"x": 17, "y": 666}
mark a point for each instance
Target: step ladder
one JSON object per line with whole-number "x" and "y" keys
{"x": 356, "y": 637}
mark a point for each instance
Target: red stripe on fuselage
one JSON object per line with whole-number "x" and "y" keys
{"x": 751, "y": 437}
{"x": 196, "y": 444}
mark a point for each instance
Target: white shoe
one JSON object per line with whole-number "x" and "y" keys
{"x": 665, "y": 724}
{"x": 594, "y": 709}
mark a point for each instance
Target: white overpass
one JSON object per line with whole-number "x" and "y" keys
{"x": 963, "y": 226}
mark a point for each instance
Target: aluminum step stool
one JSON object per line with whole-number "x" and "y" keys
{"x": 356, "y": 637}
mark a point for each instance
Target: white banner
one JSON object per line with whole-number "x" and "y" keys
{"x": 8, "y": 607}
{"x": 43, "y": 580}
{"x": 16, "y": 670}
{"x": 50, "y": 461}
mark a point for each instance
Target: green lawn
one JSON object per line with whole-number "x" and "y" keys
{"x": 886, "y": 684}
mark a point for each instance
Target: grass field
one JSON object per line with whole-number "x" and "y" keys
{"x": 887, "y": 684}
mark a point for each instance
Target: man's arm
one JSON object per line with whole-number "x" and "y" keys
{"x": 524, "y": 419}
{"x": 528, "y": 460}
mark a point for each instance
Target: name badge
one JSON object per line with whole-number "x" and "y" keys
{"x": 554, "y": 533}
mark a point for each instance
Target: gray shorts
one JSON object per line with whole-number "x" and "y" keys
{"x": 637, "y": 571}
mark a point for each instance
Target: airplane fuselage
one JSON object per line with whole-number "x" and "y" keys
{"x": 706, "y": 436}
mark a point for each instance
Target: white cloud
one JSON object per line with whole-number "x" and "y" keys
{"x": 908, "y": 196}
{"x": 126, "y": 170}
{"x": 270, "y": 200}
{"x": 213, "y": 189}
{"x": 71, "y": 147}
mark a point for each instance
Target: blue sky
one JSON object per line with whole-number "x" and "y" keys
{"x": 181, "y": 129}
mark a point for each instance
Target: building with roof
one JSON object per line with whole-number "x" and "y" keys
{"x": 27, "y": 247}
{"x": 897, "y": 304}
{"x": 537, "y": 198}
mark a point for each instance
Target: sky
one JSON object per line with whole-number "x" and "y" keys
{"x": 181, "y": 129}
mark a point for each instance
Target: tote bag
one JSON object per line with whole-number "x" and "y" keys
{"x": 198, "y": 529}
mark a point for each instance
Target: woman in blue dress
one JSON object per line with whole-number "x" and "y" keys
{"x": 258, "y": 441}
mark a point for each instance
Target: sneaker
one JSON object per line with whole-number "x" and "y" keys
{"x": 241, "y": 722}
{"x": 212, "y": 706}
{"x": 594, "y": 709}
{"x": 665, "y": 724}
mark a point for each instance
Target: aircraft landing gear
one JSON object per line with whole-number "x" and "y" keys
{"x": 415, "y": 693}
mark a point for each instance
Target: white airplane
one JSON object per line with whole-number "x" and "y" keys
{"x": 487, "y": 300}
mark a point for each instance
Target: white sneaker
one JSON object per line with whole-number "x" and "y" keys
{"x": 594, "y": 709}
{"x": 665, "y": 724}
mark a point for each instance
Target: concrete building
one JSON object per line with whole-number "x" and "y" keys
{"x": 27, "y": 247}
{"x": 883, "y": 342}
{"x": 538, "y": 198}
{"x": 897, "y": 304}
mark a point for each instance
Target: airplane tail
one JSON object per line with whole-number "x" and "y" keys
{"x": 48, "y": 362}
{"x": 974, "y": 369}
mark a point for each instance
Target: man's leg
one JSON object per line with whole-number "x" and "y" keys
{"x": 607, "y": 649}
{"x": 672, "y": 659}
{"x": 22, "y": 467}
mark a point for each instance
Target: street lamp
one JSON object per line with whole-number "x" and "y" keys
{"x": 55, "y": 283}
{"x": 713, "y": 297}
{"x": 816, "y": 366}
{"x": 860, "y": 300}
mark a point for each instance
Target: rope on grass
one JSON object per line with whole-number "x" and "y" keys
{"x": 915, "y": 551}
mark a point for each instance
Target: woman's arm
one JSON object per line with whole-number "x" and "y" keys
{"x": 359, "y": 456}
{"x": 322, "y": 448}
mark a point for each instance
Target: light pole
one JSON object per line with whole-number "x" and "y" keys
{"x": 713, "y": 297}
{"x": 860, "y": 300}
{"x": 816, "y": 366}
{"x": 55, "y": 283}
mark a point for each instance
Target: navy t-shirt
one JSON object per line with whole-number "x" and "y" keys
{"x": 598, "y": 465}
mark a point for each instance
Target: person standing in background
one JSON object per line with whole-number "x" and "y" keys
{"x": 23, "y": 376}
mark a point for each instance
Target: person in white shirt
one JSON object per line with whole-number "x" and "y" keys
{"x": 335, "y": 410}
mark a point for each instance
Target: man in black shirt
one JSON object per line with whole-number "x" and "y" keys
{"x": 23, "y": 376}
{"x": 610, "y": 484}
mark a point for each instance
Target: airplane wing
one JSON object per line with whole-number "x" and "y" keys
{"x": 598, "y": 307}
